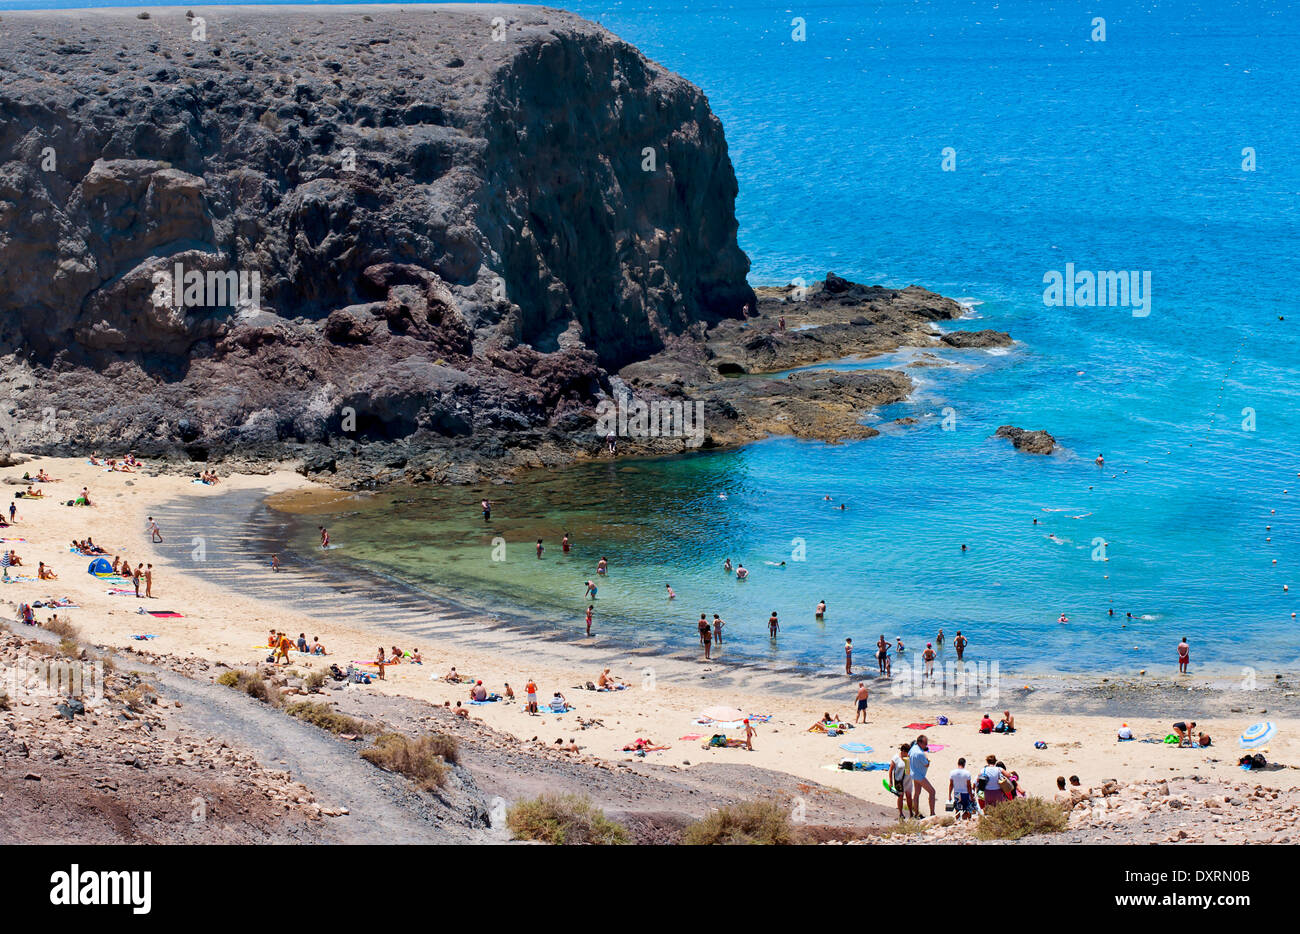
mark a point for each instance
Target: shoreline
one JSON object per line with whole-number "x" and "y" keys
{"x": 228, "y": 605}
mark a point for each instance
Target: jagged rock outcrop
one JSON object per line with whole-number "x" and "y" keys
{"x": 451, "y": 225}
{"x": 966, "y": 340}
{"x": 1031, "y": 442}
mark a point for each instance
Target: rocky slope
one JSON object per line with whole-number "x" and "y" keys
{"x": 461, "y": 220}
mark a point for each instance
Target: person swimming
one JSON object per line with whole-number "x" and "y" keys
{"x": 821, "y": 609}
{"x": 741, "y": 573}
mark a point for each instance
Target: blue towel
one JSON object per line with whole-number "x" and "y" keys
{"x": 855, "y": 747}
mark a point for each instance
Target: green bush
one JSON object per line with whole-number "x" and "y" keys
{"x": 764, "y": 822}
{"x": 1021, "y": 817}
{"x": 564, "y": 820}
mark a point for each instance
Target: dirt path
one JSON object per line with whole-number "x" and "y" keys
{"x": 383, "y": 808}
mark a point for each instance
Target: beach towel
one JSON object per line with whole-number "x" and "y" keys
{"x": 760, "y": 718}
{"x": 918, "y": 726}
{"x": 934, "y": 747}
{"x": 13, "y": 540}
{"x": 691, "y": 736}
{"x": 858, "y": 747}
{"x": 17, "y": 580}
{"x": 165, "y": 614}
{"x": 147, "y": 635}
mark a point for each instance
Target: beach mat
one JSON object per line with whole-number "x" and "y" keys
{"x": 165, "y": 614}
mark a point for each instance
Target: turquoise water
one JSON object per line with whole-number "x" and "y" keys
{"x": 1123, "y": 154}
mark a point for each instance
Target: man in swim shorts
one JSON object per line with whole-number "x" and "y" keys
{"x": 848, "y": 656}
{"x": 1184, "y": 656}
{"x": 901, "y": 781}
{"x": 863, "y": 694}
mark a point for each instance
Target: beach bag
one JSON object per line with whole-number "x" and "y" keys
{"x": 591, "y": 686}
{"x": 943, "y": 721}
{"x": 1006, "y": 787}
{"x": 846, "y": 765}
{"x": 718, "y": 739}
{"x": 1257, "y": 761}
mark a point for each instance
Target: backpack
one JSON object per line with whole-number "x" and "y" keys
{"x": 1257, "y": 761}
{"x": 718, "y": 739}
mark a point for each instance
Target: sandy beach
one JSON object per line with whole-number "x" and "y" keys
{"x": 228, "y": 601}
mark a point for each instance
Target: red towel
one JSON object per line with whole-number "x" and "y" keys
{"x": 918, "y": 726}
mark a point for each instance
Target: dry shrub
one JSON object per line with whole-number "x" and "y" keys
{"x": 764, "y": 823}
{"x": 61, "y": 628}
{"x": 315, "y": 681}
{"x": 252, "y": 684}
{"x": 417, "y": 759}
{"x": 1021, "y": 817}
{"x": 327, "y": 718}
{"x": 564, "y": 820}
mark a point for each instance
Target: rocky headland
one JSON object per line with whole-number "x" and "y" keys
{"x": 416, "y": 245}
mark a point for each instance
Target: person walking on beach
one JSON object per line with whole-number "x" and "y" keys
{"x": 848, "y": 656}
{"x": 901, "y": 781}
{"x": 717, "y": 628}
{"x": 590, "y": 609}
{"x": 959, "y": 643}
{"x": 959, "y": 790}
{"x": 1184, "y": 656}
{"x": 154, "y": 533}
{"x": 749, "y": 735}
{"x": 882, "y": 652}
{"x": 861, "y": 699}
{"x": 773, "y": 626}
{"x": 919, "y": 764}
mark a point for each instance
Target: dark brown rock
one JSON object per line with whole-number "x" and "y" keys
{"x": 1031, "y": 442}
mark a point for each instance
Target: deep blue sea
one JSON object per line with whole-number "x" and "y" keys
{"x": 1123, "y": 154}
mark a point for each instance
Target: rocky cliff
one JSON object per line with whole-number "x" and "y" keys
{"x": 426, "y": 234}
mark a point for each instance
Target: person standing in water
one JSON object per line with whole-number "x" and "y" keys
{"x": 773, "y": 626}
{"x": 1101, "y": 461}
{"x": 717, "y": 628}
{"x": 882, "y": 652}
{"x": 275, "y": 562}
{"x": 741, "y": 573}
{"x": 821, "y": 609}
{"x": 703, "y": 626}
{"x": 324, "y": 536}
{"x": 1184, "y": 656}
{"x": 564, "y": 543}
{"x": 540, "y": 549}
{"x": 848, "y": 656}
{"x": 707, "y": 638}
{"x": 959, "y": 643}
{"x": 938, "y": 639}
{"x": 487, "y": 510}
{"x": 726, "y": 565}
{"x": 928, "y": 657}
{"x": 590, "y": 610}
{"x": 602, "y": 566}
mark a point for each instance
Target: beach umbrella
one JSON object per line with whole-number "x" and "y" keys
{"x": 1257, "y": 735}
{"x": 723, "y": 714}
